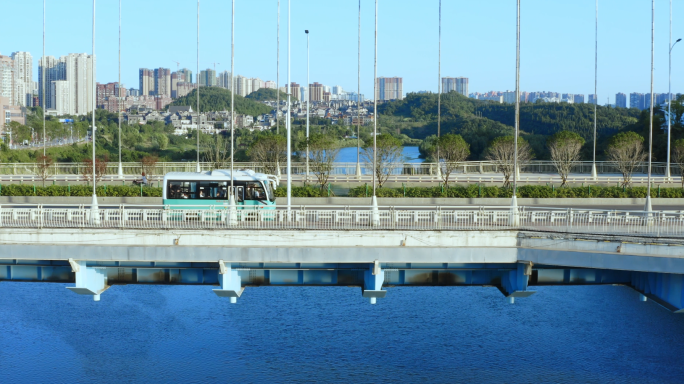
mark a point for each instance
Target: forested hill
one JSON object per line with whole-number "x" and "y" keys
{"x": 267, "y": 94}
{"x": 537, "y": 118}
{"x": 218, "y": 99}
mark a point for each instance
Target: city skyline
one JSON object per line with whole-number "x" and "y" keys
{"x": 559, "y": 61}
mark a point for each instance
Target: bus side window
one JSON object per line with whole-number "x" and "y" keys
{"x": 181, "y": 190}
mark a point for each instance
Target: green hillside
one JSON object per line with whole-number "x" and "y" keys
{"x": 267, "y": 94}
{"x": 537, "y": 118}
{"x": 218, "y": 99}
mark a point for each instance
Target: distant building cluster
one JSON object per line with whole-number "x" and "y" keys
{"x": 529, "y": 97}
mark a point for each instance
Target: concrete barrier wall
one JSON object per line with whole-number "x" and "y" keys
{"x": 358, "y": 201}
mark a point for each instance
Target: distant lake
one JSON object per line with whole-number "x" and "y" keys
{"x": 348, "y": 155}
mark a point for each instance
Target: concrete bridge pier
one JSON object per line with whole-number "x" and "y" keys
{"x": 230, "y": 282}
{"x": 89, "y": 280}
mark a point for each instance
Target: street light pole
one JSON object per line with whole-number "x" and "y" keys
{"x": 374, "y": 201}
{"x": 648, "y": 206}
{"x": 118, "y": 96}
{"x": 94, "y": 214}
{"x": 358, "y": 106}
{"x": 514, "y": 202}
{"x": 43, "y": 77}
{"x": 439, "y": 90}
{"x": 231, "y": 198}
{"x": 669, "y": 95}
{"x": 594, "y": 173}
{"x": 287, "y": 123}
{"x": 308, "y": 100}
{"x": 277, "y": 80}
{"x": 199, "y": 116}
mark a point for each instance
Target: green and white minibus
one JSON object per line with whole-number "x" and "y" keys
{"x": 203, "y": 190}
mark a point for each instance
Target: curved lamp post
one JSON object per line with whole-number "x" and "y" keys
{"x": 669, "y": 95}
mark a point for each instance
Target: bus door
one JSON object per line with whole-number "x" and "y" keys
{"x": 239, "y": 195}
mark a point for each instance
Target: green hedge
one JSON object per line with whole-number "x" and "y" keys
{"x": 307, "y": 191}
{"x": 525, "y": 191}
{"x": 78, "y": 190}
{"x": 468, "y": 191}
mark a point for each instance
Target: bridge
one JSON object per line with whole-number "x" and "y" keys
{"x": 538, "y": 171}
{"x": 375, "y": 249}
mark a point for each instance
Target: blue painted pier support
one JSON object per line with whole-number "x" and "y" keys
{"x": 514, "y": 283}
{"x": 374, "y": 277}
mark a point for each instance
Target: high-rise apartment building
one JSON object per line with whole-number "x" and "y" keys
{"x": 578, "y": 99}
{"x": 257, "y": 84}
{"x": 50, "y": 69}
{"x": 146, "y": 80}
{"x": 23, "y": 72}
{"x": 592, "y": 99}
{"x": 105, "y": 91}
{"x": 162, "y": 82}
{"x": 60, "y": 98}
{"x": 390, "y": 88}
{"x": 316, "y": 91}
{"x": 620, "y": 100}
{"x": 243, "y": 85}
{"x": 337, "y": 90}
{"x": 458, "y": 84}
{"x": 75, "y": 70}
{"x": 7, "y": 80}
{"x": 509, "y": 97}
{"x": 295, "y": 90}
{"x": 207, "y": 78}
{"x": 224, "y": 80}
{"x": 637, "y": 100}
{"x": 187, "y": 73}
{"x": 176, "y": 77}
{"x": 270, "y": 84}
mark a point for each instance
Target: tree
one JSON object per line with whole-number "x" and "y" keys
{"x": 100, "y": 168}
{"x": 148, "y": 164}
{"x": 626, "y": 150}
{"x": 323, "y": 150}
{"x": 452, "y": 151}
{"x": 43, "y": 164}
{"x": 502, "y": 153}
{"x": 269, "y": 150}
{"x": 217, "y": 152}
{"x": 565, "y": 149}
{"x": 679, "y": 157}
{"x": 388, "y": 158}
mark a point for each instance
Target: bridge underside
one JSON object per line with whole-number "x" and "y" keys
{"x": 510, "y": 278}
{"x": 513, "y": 261}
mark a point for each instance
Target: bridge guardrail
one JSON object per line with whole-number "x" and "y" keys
{"x": 340, "y": 169}
{"x": 350, "y": 218}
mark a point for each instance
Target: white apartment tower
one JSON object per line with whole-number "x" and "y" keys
{"x": 7, "y": 79}
{"x": 458, "y": 84}
{"x": 23, "y": 72}
{"x": 74, "y": 69}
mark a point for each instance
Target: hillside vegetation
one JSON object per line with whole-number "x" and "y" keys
{"x": 218, "y": 99}
{"x": 267, "y": 94}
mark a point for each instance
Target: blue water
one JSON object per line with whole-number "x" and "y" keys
{"x": 348, "y": 155}
{"x": 159, "y": 334}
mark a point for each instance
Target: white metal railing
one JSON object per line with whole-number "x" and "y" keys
{"x": 608, "y": 222}
{"x": 339, "y": 169}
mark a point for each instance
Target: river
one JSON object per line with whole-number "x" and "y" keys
{"x": 159, "y": 334}
{"x": 348, "y": 155}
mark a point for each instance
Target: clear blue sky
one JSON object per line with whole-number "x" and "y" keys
{"x": 478, "y": 41}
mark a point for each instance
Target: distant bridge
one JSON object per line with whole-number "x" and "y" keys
{"x": 512, "y": 250}
{"x": 468, "y": 172}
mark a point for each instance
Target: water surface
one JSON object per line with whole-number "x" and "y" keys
{"x": 158, "y": 334}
